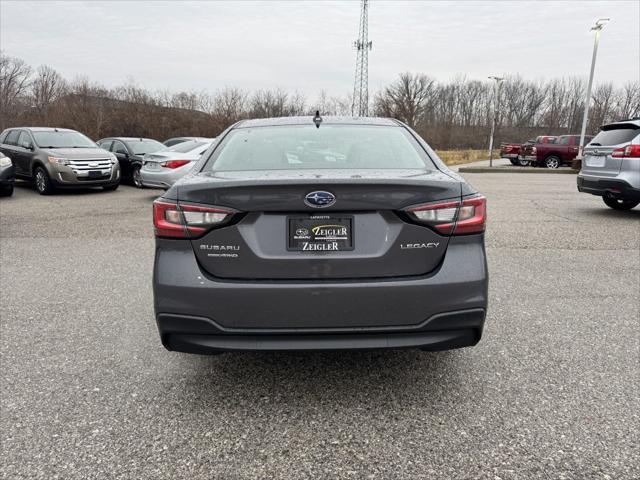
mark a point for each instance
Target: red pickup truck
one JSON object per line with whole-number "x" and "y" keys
{"x": 510, "y": 151}
{"x": 514, "y": 151}
{"x": 553, "y": 155}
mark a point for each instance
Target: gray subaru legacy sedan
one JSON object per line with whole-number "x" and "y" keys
{"x": 310, "y": 233}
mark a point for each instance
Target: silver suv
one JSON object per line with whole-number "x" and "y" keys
{"x": 59, "y": 158}
{"x": 611, "y": 165}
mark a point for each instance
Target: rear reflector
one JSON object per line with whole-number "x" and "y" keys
{"x": 455, "y": 218}
{"x": 632, "y": 151}
{"x": 174, "y": 163}
{"x": 185, "y": 221}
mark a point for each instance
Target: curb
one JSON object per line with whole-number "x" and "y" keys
{"x": 516, "y": 170}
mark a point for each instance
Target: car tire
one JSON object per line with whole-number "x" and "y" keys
{"x": 6, "y": 191}
{"x": 513, "y": 161}
{"x": 552, "y": 162}
{"x": 524, "y": 163}
{"x": 136, "y": 177}
{"x": 111, "y": 188}
{"x": 620, "y": 204}
{"x": 42, "y": 181}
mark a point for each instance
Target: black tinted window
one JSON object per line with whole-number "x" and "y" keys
{"x": 105, "y": 144}
{"x": 118, "y": 147}
{"x": 12, "y": 138}
{"x": 617, "y": 135}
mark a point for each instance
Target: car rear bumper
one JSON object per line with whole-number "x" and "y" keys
{"x": 616, "y": 188}
{"x": 442, "y": 332}
{"x": 162, "y": 177}
{"x": 199, "y": 314}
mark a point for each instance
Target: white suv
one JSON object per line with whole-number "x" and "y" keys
{"x": 611, "y": 165}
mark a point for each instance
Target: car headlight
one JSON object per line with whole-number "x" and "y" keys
{"x": 5, "y": 162}
{"x": 114, "y": 160}
{"x": 58, "y": 160}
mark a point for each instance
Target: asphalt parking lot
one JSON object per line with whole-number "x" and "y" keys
{"x": 550, "y": 392}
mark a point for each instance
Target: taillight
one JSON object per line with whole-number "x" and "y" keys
{"x": 628, "y": 151}
{"x": 456, "y": 218}
{"x": 174, "y": 163}
{"x": 185, "y": 221}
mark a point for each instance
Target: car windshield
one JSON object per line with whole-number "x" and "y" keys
{"x": 140, "y": 147}
{"x": 296, "y": 147}
{"x": 615, "y": 135}
{"x": 185, "y": 147}
{"x": 62, "y": 139}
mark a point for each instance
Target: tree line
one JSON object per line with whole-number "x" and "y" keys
{"x": 449, "y": 115}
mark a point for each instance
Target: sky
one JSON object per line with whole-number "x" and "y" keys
{"x": 306, "y": 46}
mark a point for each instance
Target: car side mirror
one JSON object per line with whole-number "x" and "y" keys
{"x": 27, "y": 145}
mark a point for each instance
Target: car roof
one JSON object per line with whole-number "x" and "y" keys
{"x": 128, "y": 139}
{"x": 308, "y": 120}
{"x": 42, "y": 129}
{"x": 632, "y": 121}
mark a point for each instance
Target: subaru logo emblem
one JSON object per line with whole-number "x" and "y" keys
{"x": 320, "y": 199}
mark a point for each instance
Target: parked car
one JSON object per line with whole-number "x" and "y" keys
{"x": 510, "y": 151}
{"x": 163, "y": 168}
{"x": 268, "y": 245}
{"x": 6, "y": 176}
{"x": 55, "y": 158}
{"x": 611, "y": 165}
{"x": 175, "y": 141}
{"x": 553, "y": 155}
{"x": 527, "y": 152}
{"x": 130, "y": 153}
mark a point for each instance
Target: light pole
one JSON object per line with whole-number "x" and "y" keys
{"x": 598, "y": 29}
{"x": 496, "y": 94}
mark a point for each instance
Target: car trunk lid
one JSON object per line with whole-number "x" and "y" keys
{"x": 374, "y": 239}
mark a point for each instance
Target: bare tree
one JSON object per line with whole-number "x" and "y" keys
{"x": 14, "y": 82}
{"x": 406, "y": 98}
{"x": 46, "y": 88}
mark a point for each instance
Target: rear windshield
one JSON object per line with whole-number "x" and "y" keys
{"x": 295, "y": 147}
{"x": 185, "y": 147}
{"x": 140, "y": 147}
{"x": 616, "y": 135}
{"x": 62, "y": 139}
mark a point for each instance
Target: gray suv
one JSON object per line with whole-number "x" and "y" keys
{"x": 611, "y": 165}
{"x": 59, "y": 158}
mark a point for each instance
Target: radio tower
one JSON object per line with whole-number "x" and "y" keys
{"x": 360, "y": 106}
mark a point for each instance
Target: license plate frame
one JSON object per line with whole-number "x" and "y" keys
{"x": 595, "y": 161}
{"x": 320, "y": 233}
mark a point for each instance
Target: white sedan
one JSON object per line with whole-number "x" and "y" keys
{"x": 163, "y": 168}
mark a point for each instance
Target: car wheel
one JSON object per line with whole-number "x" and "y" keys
{"x": 136, "y": 177}
{"x": 513, "y": 161}
{"x": 523, "y": 163}
{"x": 552, "y": 162}
{"x": 620, "y": 204}
{"x": 42, "y": 181}
{"x": 111, "y": 188}
{"x": 6, "y": 191}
